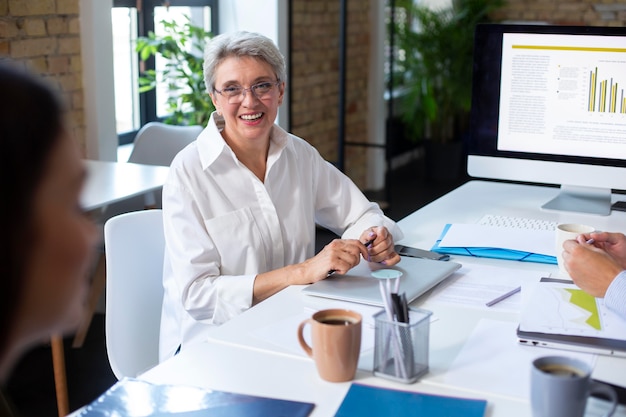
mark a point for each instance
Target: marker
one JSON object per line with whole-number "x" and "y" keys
{"x": 503, "y": 297}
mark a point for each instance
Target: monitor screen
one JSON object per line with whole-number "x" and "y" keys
{"x": 548, "y": 106}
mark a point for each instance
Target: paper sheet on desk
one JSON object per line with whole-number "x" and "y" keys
{"x": 473, "y": 285}
{"x": 492, "y": 360}
{"x": 497, "y": 242}
{"x": 283, "y": 333}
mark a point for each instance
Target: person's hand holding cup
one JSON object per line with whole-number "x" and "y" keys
{"x": 336, "y": 343}
{"x": 567, "y": 231}
{"x": 560, "y": 387}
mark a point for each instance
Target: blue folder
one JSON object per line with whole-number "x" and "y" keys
{"x": 364, "y": 401}
{"x": 498, "y": 253}
{"x": 134, "y": 397}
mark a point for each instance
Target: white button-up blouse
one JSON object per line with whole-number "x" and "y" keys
{"x": 223, "y": 226}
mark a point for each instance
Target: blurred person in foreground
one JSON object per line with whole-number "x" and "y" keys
{"x": 47, "y": 241}
{"x": 241, "y": 203}
{"x": 599, "y": 267}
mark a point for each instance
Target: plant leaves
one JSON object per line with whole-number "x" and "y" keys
{"x": 182, "y": 46}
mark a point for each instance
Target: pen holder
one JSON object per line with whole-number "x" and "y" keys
{"x": 401, "y": 349}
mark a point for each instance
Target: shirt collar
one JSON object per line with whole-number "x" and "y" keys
{"x": 211, "y": 144}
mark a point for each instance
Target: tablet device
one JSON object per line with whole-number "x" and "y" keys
{"x": 549, "y": 302}
{"x": 418, "y": 276}
{"x": 597, "y": 345}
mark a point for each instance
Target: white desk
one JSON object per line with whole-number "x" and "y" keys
{"x": 233, "y": 359}
{"x": 110, "y": 182}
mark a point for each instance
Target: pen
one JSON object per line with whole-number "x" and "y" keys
{"x": 503, "y": 297}
{"x": 367, "y": 245}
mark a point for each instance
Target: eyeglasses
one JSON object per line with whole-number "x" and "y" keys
{"x": 236, "y": 93}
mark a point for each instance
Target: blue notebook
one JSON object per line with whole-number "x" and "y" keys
{"x": 498, "y": 253}
{"x": 365, "y": 401}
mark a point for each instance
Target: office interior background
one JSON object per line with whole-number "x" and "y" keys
{"x": 69, "y": 43}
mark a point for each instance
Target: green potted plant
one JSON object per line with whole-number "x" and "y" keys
{"x": 436, "y": 71}
{"x": 182, "y": 47}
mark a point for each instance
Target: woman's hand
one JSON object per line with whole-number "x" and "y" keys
{"x": 381, "y": 246}
{"x": 339, "y": 256}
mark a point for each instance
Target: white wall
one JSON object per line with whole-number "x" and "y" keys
{"x": 99, "y": 99}
{"x": 376, "y": 103}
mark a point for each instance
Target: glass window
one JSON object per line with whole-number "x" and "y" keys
{"x": 198, "y": 16}
{"x": 134, "y": 109}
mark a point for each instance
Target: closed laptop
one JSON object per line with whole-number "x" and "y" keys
{"x": 418, "y": 276}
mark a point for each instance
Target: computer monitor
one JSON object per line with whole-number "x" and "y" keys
{"x": 549, "y": 107}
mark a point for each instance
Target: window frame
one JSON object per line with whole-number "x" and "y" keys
{"x": 145, "y": 24}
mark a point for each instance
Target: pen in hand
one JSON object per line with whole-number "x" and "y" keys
{"x": 367, "y": 245}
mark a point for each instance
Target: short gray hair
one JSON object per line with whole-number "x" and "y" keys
{"x": 241, "y": 44}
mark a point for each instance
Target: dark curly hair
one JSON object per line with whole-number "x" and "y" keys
{"x": 31, "y": 123}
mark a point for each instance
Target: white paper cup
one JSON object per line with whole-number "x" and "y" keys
{"x": 568, "y": 231}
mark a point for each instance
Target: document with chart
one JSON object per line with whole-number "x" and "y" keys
{"x": 563, "y": 90}
{"x": 561, "y": 313}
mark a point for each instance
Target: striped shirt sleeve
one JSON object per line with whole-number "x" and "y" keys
{"x": 615, "y": 297}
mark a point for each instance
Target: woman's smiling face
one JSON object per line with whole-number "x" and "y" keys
{"x": 251, "y": 119}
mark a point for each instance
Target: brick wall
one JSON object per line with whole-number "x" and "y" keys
{"x": 315, "y": 78}
{"x": 44, "y": 35}
{"x": 575, "y": 12}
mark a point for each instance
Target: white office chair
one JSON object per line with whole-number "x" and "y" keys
{"x": 158, "y": 143}
{"x": 134, "y": 246}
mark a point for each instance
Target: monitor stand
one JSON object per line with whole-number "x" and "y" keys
{"x": 582, "y": 200}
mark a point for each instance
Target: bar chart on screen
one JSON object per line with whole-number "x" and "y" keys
{"x": 606, "y": 92}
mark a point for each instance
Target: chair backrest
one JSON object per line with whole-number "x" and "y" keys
{"x": 158, "y": 143}
{"x": 155, "y": 144}
{"x": 134, "y": 247}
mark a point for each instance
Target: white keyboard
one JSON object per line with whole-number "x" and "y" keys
{"x": 517, "y": 222}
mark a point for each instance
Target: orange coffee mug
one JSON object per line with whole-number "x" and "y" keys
{"x": 336, "y": 340}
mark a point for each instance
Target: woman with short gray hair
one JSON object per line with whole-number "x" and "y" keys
{"x": 241, "y": 203}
